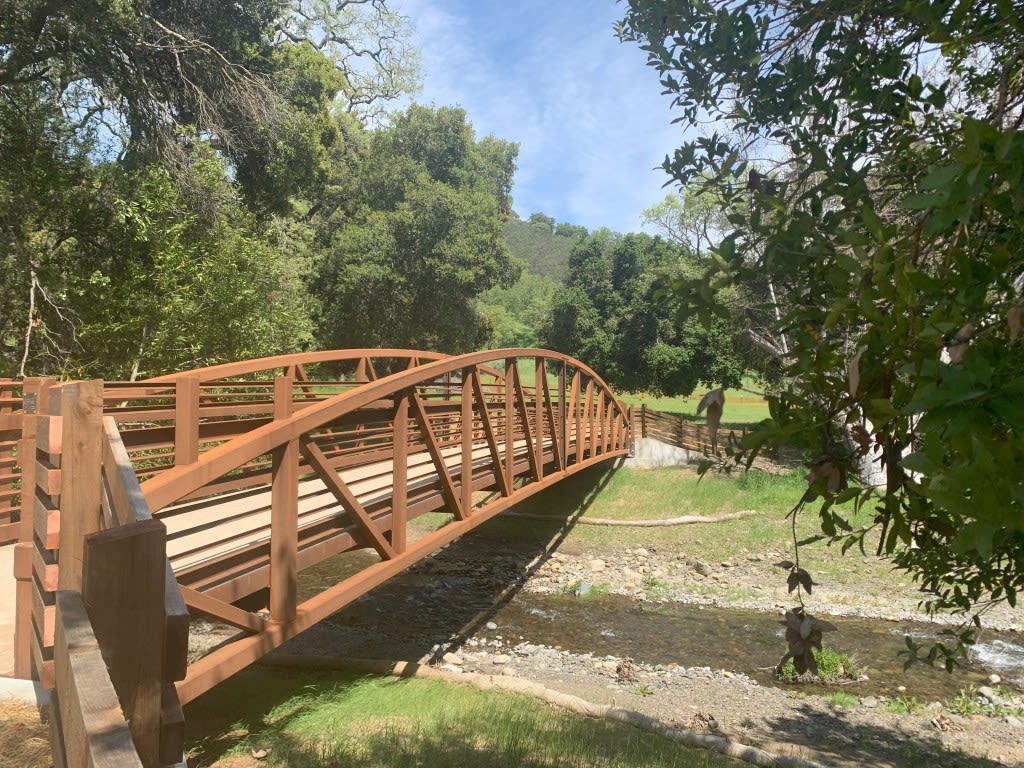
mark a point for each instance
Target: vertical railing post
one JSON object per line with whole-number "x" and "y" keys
{"x": 400, "y": 469}
{"x": 81, "y": 411}
{"x": 466, "y": 475}
{"x": 574, "y": 418}
{"x": 186, "y": 420}
{"x": 540, "y": 375}
{"x": 561, "y": 427}
{"x": 9, "y": 416}
{"x": 643, "y": 420}
{"x": 284, "y": 520}
{"x": 123, "y": 589}
{"x": 35, "y": 396}
{"x": 510, "y": 459}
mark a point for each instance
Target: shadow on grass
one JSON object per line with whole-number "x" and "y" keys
{"x": 343, "y": 720}
{"x": 837, "y": 737}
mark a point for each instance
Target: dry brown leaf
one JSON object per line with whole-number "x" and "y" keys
{"x": 1015, "y": 320}
{"x": 961, "y": 342}
{"x": 853, "y": 372}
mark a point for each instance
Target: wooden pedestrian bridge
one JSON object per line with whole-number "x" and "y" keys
{"x": 137, "y": 504}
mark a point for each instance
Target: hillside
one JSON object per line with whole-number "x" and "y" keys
{"x": 542, "y": 244}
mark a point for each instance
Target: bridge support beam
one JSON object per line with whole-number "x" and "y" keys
{"x": 284, "y": 514}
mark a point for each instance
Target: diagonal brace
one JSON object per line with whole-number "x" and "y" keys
{"x": 319, "y": 464}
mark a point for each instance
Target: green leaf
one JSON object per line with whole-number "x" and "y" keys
{"x": 941, "y": 178}
{"x": 920, "y": 202}
{"x": 873, "y": 222}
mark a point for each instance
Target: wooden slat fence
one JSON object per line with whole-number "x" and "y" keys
{"x": 10, "y": 469}
{"x": 675, "y": 430}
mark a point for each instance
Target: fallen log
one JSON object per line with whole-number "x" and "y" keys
{"x": 682, "y": 520}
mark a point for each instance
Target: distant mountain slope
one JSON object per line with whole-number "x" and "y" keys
{"x": 542, "y": 244}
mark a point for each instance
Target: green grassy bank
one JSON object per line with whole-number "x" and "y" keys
{"x": 299, "y": 719}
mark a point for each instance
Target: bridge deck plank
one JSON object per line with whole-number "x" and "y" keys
{"x": 199, "y": 532}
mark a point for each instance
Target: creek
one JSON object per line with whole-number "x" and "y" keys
{"x": 473, "y": 584}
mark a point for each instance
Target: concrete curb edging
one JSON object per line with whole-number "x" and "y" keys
{"x": 25, "y": 691}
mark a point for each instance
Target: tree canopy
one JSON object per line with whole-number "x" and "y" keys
{"x": 402, "y": 266}
{"x": 608, "y": 315}
{"x": 882, "y": 156}
{"x": 194, "y": 182}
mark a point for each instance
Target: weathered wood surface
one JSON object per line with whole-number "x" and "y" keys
{"x": 93, "y": 732}
{"x": 123, "y": 592}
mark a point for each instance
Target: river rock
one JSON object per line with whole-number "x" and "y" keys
{"x": 870, "y": 702}
{"x": 994, "y": 679}
{"x": 701, "y": 568}
{"x": 491, "y": 625}
{"x": 596, "y": 565}
{"x": 1013, "y": 722}
{"x": 501, "y": 658}
{"x": 452, "y": 658}
{"x": 993, "y": 698}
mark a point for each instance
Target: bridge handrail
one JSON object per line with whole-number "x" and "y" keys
{"x": 173, "y": 484}
{"x": 298, "y": 360}
{"x": 470, "y": 434}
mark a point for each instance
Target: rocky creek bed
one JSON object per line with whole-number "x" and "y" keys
{"x": 444, "y": 611}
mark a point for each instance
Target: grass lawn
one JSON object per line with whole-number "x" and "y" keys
{"x": 310, "y": 718}
{"x": 743, "y": 407}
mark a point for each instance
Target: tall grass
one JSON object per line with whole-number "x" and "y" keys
{"x": 332, "y": 719}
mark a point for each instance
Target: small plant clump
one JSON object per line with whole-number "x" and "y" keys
{"x": 843, "y": 700}
{"x": 903, "y": 705}
{"x": 580, "y": 588}
{"x": 968, "y": 702}
{"x": 833, "y": 667}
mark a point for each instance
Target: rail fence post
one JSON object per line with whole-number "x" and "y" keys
{"x": 400, "y": 468}
{"x": 563, "y": 455}
{"x": 34, "y": 396}
{"x": 67, "y": 484}
{"x": 81, "y": 412}
{"x": 186, "y": 420}
{"x": 123, "y": 591}
{"x": 510, "y": 372}
{"x": 466, "y": 419}
{"x": 539, "y": 380}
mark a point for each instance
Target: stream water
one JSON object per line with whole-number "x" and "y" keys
{"x": 469, "y": 585}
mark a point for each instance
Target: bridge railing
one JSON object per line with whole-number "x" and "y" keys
{"x": 109, "y": 629}
{"x": 10, "y": 468}
{"x": 468, "y": 435}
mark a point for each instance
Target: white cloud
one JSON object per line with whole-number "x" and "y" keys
{"x": 550, "y": 75}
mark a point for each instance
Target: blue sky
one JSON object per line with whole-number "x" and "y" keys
{"x": 586, "y": 111}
